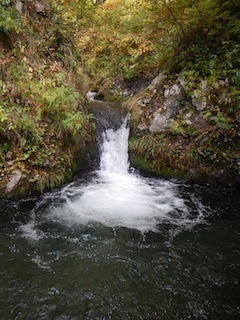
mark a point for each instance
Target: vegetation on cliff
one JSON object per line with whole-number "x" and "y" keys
{"x": 196, "y": 44}
{"x": 48, "y": 50}
{"x": 128, "y": 40}
{"x": 44, "y": 120}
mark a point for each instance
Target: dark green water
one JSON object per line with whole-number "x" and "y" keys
{"x": 121, "y": 246}
{"x": 51, "y": 269}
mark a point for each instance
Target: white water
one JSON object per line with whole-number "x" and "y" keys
{"x": 115, "y": 197}
{"x": 114, "y": 153}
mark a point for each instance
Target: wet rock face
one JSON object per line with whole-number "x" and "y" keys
{"x": 107, "y": 114}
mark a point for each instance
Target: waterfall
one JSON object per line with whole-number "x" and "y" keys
{"x": 114, "y": 151}
{"x": 115, "y": 197}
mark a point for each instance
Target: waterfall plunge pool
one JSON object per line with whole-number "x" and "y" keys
{"x": 121, "y": 246}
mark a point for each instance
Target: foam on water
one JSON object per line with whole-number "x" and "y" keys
{"x": 125, "y": 200}
{"x": 115, "y": 197}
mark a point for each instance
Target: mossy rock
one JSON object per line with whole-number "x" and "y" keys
{"x": 146, "y": 167}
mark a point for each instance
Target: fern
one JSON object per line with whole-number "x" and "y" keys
{"x": 234, "y": 27}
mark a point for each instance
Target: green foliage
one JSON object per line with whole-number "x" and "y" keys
{"x": 119, "y": 47}
{"x": 3, "y": 115}
{"x": 161, "y": 155}
{"x": 73, "y": 122}
{"x": 176, "y": 128}
{"x": 138, "y": 38}
{"x": 41, "y": 106}
{"x": 4, "y": 147}
{"x": 234, "y": 27}
{"x": 44, "y": 121}
{"x": 221, "y": 121}
{"x": 10, "y": 20}
{"x": 59, "y": 104}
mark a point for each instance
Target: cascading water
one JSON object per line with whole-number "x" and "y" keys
{"x": 117, "y": 198}
{"x": 114, "y": 153}
{"x": 78, "y": 252}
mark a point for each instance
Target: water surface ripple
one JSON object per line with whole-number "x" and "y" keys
{"x": 121, "y": 246}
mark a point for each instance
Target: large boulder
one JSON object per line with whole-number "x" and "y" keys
{"x": 160, "y": 123}
{"x": 172, "y": 104}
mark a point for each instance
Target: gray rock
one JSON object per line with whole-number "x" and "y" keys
{"x": 19, "y": 6}
{"x": 142, "y": 127}
{"x": 143, "y": 102}
{"x": 108, "y": 115}
{"x": 41, "y": 8}
{"x": 198, "y": 100}
{"x": 171, "y": 106}
{"x": 175, "y": 90}
{"x": 13, "y": 181}
{"x": 187, "y": 115}
{"x": 182, "y": 82}
{"x": 199, "y": 103}
{"x": 155, "y": 82}
{"x": 187, "y": 121}
{"x": 90, "y": 95}
{"x": 160, "y": 123}
{"x": 204, "y": 85}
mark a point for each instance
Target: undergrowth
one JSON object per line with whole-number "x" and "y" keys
{"x": 44, "y": 119}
